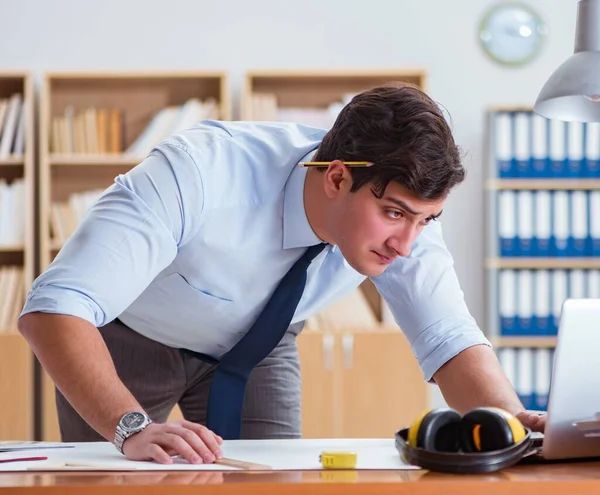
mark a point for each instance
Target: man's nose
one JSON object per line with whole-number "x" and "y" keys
{"x": 402, "y": 242}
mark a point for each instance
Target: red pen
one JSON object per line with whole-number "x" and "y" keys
{"x": 15, "y": 459}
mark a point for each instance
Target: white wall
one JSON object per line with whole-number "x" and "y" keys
{"x": 438, "y": 35}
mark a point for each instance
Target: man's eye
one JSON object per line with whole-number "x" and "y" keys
{"x": 395, "y": 214}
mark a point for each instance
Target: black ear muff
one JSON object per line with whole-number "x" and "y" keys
{"x": 487, "y": 428}
{"x": 484, "y": 440}
{"x": 436, "y": 430}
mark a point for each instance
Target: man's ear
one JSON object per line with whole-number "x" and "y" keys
{"x": 337, "y": 179}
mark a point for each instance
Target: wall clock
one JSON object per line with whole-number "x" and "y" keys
{"x": 512, "y": 33}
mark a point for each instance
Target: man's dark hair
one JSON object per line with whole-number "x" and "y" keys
{"x": 404, "y": 133}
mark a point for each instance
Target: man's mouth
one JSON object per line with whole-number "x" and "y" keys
{"x": 385, "y": 259}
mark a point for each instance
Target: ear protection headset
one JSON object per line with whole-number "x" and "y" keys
{"x": 484, "y": 440}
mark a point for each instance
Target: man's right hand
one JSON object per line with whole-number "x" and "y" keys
{"x": 159, "y": 441}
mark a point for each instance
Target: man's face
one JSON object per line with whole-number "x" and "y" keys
{"x": 372, "y": 232}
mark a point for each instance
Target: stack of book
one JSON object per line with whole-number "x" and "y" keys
{"x": 65, "y": 216}
{"x": 12, "y": 213}
{"x": 12, "y": 126}
{"x": 265, "y": 107}
{"x": 103, "y": 130}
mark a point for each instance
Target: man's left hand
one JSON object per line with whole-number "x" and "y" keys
{"x": 532, "y": 420}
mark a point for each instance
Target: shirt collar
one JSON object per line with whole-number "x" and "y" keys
{"x": 297, "y": 232}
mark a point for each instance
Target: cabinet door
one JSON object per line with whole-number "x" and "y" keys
{"x": 16, "y": 388}
{"x": 50, "y": 428}
{"x": 383, "y": 387}
{"x": 317, "y": 367}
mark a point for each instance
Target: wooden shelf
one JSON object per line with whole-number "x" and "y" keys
{"x": 101, "y": 159}
{"x": 318, "y": 88}
{"x": 12, "y": 249}
{"x": 543, "y": 184}
{"x": 510, "y": 108}
{"x": 16, "y": 358}
{"x": 544, "y": 263}
{"x": 138, "y": 96}
{"x": 55, "y": 246}
{"x": 12, "y": 161}
{"x": 520, "y": 342}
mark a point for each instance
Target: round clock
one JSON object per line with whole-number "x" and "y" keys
{"x": 512, "y": 33}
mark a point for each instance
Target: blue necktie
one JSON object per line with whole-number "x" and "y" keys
{"x": 228, "y": 386}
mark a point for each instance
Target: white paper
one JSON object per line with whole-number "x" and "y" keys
{"x": 280, "y": 455}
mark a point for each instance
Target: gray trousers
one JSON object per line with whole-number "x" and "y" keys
{"x": 159, "y": 377}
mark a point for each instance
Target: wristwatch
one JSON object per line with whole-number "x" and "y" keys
{"x": 130, "y": 424}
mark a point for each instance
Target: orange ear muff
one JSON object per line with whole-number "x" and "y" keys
{"x": 488, "y": 428}
{"x": 437, "y": 429}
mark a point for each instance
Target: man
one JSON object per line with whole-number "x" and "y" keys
{"x": 172, "y": 284}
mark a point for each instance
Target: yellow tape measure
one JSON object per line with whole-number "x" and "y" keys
{"x": 338, "y": 460}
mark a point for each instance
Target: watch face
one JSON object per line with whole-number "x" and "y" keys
{"x": 512, "y": 33}
{"x": 132, "y": 421}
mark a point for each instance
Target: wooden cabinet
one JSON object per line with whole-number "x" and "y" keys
{"x": 359, "y": 384}
{"x": 17, "y": 251}
{"x": 320, "y": 392}
{"x": 16, "y": 388}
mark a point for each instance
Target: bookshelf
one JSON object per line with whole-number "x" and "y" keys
{"x": 543, "y": 237}
{"x": 355, "y": 344}
{"x": 96, "y": 125}
{"x": 17, "y": 251}
{"x": 314, "y": 97}
{"x": 306, "y": 95}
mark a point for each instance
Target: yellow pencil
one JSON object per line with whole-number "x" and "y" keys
{"x": 324, "y": 164}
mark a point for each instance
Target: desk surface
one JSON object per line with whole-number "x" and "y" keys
{"x": 558, "y": 478}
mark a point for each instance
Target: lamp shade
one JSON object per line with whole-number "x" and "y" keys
{"x": 572, "y": 93}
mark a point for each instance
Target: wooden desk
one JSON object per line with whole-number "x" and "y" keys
{"x": 568, "y": 478}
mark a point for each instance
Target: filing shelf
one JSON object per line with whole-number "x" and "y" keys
{"x": 533, "y": 349}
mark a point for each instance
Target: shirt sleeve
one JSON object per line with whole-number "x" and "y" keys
{"x": 125, "y": 239}
{"x": 424, "y": 295}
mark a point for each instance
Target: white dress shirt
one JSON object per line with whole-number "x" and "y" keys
{"x": 187, "y": 247}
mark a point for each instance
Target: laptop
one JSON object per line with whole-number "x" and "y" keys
{"x": 573, "y": 420}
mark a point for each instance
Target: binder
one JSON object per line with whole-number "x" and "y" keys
{"x": 560, "y": 225}
{"x": 539, "y": 147}
{"x": 505, "y": 163}
{"x": 559, "y": 294}
{"x": 541, "y": 321}
{"x": 579, "y": 236}
{"x": 524, "y": 302}
{"x": 525, "y": 371}
{"x": 558, "y": 148}
{"x": 592, "y": 150}
{"x": 577, "y": 284}
{"x": 575, "y": 150}
{"x": 507, "y": 223}
{"x": 542, "y": 228}
{"x": 525, "y": 223}
{"x": 543, "y": 371}
{"x": 593, "y": 284}
{"x": 507, "y": 304}
{"x": 522, "y": 137}
{"x": 594, "y": 210}
{"x": 507, "y": 356}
